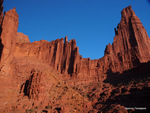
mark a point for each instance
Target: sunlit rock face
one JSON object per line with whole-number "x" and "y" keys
{"x": 53, "y": 77}
{"x": 131, "y": 45}
{"x": 9, "y": 33}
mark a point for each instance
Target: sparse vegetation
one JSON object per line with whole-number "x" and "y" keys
{"x": 24, "y": 106}
{"x": 48, "y": 107}
{"x": 36, "y": 107}
{"x": 30, "y": 110}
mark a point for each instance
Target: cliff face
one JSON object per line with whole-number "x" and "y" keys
{"x": 1, "y": 18}
{"x": 58, "y": 54}
{"x": 131, "y": 47}
{"x": 61, "y": 55}
{"x": 9, "y": 34}
{"x": 131, "y": 44}
{"x": 1, "y": 11}
{"x": 45, "y": 75}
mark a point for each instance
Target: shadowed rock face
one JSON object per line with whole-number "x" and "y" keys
{"x": 1, "y": 18}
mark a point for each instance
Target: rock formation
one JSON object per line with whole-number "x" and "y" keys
{"x": 53, "y": 76}
{"x": 131, "y": 44}
{"x": 1, "y": 11}
{"x": 22, "y": 38}
{"x": 131, "y": 47}
{"x": 1, "y": 18}
{"x": 8, "y": 35}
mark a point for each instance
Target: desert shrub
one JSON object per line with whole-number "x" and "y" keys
{"x": 30, "y": 110}
{"x": 36, "y": 107}
{"x": 48, "y": 107}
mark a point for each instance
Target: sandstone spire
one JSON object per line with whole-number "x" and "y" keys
{"x": 9, "y": 34}
{"x": 66, "y": 39}
{"x": 131, "y": 44}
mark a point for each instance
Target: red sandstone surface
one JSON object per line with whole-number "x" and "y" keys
{"x": 53, "y": 77}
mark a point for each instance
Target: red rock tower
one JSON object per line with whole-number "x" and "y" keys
{"x": 131, "y": 44}
{"x": 9, "y": 34}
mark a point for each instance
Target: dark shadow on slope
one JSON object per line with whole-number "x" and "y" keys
{"x": 135, "y": 100}
{"x": 58, "y": 110}
{"x": 139, "y": 73}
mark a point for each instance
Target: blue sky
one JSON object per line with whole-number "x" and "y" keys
{"x": 90, "y": 22}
